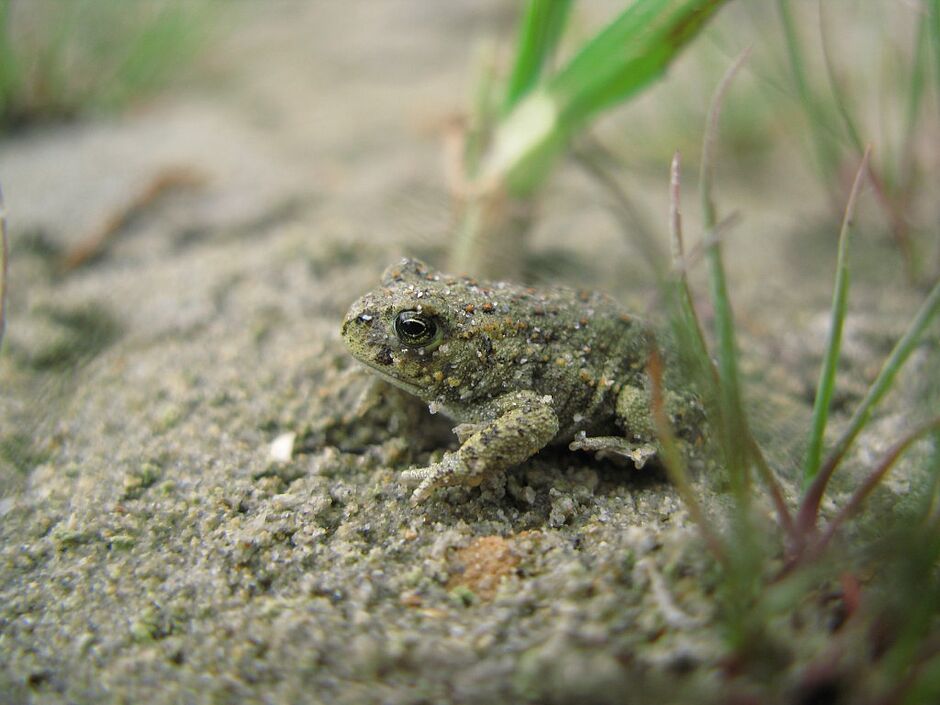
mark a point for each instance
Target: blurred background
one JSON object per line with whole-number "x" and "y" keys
{"x": 288, "y": 101}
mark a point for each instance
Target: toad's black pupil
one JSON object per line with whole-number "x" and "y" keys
{"x": 414, "y": 328}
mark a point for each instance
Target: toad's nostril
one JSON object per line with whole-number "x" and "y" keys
{"x": 384, "y": 356}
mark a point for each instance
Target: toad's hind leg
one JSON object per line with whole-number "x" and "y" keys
{"x": 618, "y": 446}
{"x": 638, "y": 443}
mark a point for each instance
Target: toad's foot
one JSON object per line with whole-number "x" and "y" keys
{"x": 464, "y": 431}
{"x": 449, "y": 472}
{"x": 639, "y": 453}
{"x": 522, "y": 423}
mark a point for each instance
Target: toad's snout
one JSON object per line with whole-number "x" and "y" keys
{"x": 361, "y": 324}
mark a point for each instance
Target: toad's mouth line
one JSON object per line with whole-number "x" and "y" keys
{"x": 407, "y": 386}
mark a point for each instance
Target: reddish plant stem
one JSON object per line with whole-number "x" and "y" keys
{"x": 673, "y": 462}
{"x": 858, "y": 498}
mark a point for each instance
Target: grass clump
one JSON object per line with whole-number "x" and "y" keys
{"x": 830, "y": 104}
{"x": 61, "y": 59}
{"x": 763, "y": 580}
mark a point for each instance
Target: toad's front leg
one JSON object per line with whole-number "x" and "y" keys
{"x": 523, "y": 423}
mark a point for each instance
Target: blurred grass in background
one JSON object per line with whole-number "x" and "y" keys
{"x": 63, "y": 58}
{"x": 824, "y": 79}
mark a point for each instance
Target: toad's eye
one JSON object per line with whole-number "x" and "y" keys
{"x": 416, "y": 329}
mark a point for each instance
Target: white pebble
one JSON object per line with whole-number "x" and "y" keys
{"x": 282, "y": 448}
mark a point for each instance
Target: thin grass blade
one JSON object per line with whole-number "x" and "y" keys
{"x": 685, "y": 321}
{"x": 854, "y": 504}
{"x": 886, "y": 188}
{"x": 734, "y": 424}
{"x": 809, "y": 507}
{"x": 629, "y": 213}
{"x": 826, "y": 151}
{"x": 672, "y": 459}
{"x": 838, "y": 94}
{"x": 933, "y": 29}
{"x": 539, "y": 34}
{"x": 930, "y": 505}
{"x": 10, "y": 72}
{"x": 912, "y": 111}
{"x": 682, "y": 290}
{"x": 840, "y": 299}
{"x": 470, "y": 137}
{"x": 4, "y": 254}
{"x": 691, "y": 332}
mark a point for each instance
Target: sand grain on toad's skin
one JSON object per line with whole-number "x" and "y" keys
{"x": 517, "y": 367}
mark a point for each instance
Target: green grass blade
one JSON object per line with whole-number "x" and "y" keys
{"x": 933, "y": 29}
{"x": 4, "y": 254}
{"x": 539, "y": 34}
{"x": 624, "y": 57}
{"x": 686, "y": 323}
{"x": 734, "y": 423}
{"x": 9, "y": 69}
{"x": 838, "y": 94}
{"x": 840, "y": 297}
{"x": 809, "y": 507}
{"x": 912, "y": 110}
{"x": 635, "y": 48}
{"x": 672, "y": 459}
{"x": 827, "y": 154}
{"x": 855, "y": 502}
{"x": 469, "y": 142}
{"x": 641, "y": 233}
{"x": 902, "y": 350}
{"x": 933, "y": 488}
{"x": 682, "y": 290}
{"x": 690, "y": 332}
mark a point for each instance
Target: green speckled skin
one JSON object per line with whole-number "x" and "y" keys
{"x": 517, "y": 367}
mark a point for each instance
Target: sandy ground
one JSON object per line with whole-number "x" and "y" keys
{"x": 151, "y": 550}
